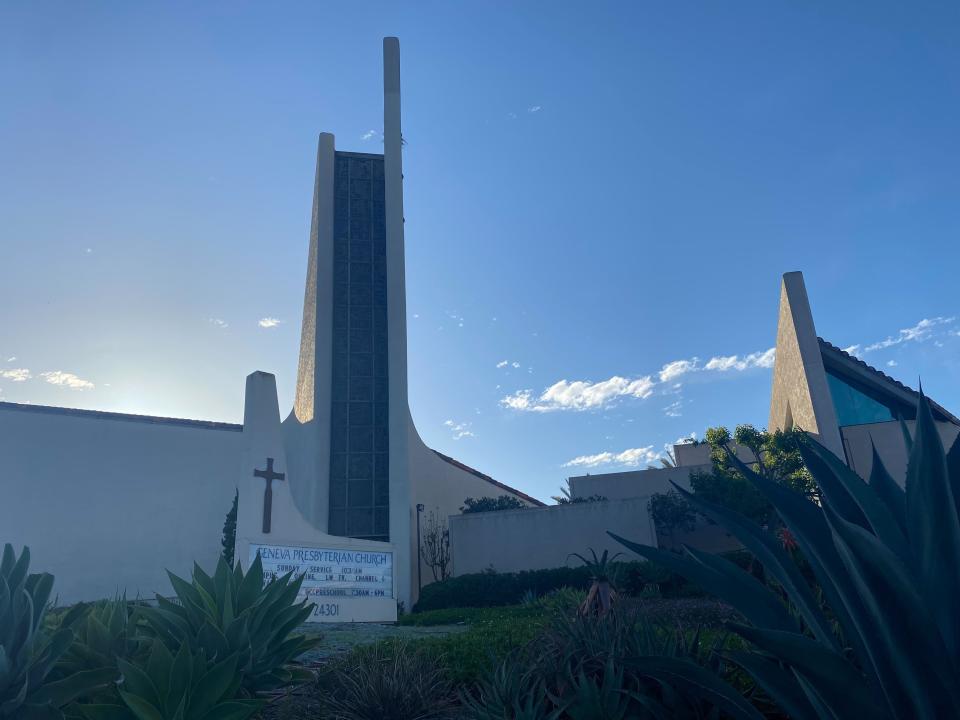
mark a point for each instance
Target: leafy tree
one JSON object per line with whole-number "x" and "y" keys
{"x": 670, "y": 512}
{"x": 488, "y": 504}
{"x": 776, "y": 458}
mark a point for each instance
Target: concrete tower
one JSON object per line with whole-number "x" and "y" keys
{"x": 355, "y": 472}
{"x": 346, "y": 437}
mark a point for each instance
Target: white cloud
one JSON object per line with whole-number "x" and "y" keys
{"x": 580, "y": 395}
{"x": 674, "y": 409}
{"x": 586, "y": 395}
{"x": 853, "y": 350}
{"x": 677, "y": 368}
{"x": 16, "y": 374}
{"x": 891, "y": 363}
{"x": 724, "y": 363}
{"x": 534, "y": 109}
{"x": 65, "y": 379}
{"x": 269, "y": 322}
{"x": 11, "y": 358}
{"x": 631, "y": 457}
{"x": 369, "y": 135}
{"x": 923, "y": 330}
{"x": 503, "y": 363}
{"x": 692, "y": 437}
{"x": 219, "y": 323}
{"x": 512, "y": 115}
{"x": 459, "y": 430}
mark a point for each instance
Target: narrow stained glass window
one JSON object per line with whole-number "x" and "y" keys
{"x": 359, "y": 487}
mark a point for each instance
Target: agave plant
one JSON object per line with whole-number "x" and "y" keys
{"x": 108, "y": 631}
{"x": 601, "y": 595}
{"x": 105, "y": 634}
{"x": 513, "y": 690}
{"x": 887, "y": 564}
{"x": 390, "y": 681}
{"x": 185, "y": 686}
{"x": 235, "y": 614}
{"x": 28, "y": 652}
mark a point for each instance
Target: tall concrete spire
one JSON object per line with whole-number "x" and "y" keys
{"x": 402, "y": 430}
{"x": 800, "y": 396}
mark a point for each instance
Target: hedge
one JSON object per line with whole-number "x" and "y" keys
{"x": 493, "y": 589}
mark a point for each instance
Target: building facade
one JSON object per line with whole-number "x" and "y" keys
{"x": 846, "y": 405}
{"x": 108, "y": 502}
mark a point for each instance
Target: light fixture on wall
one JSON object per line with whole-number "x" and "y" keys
{"x": 419, "y": 559}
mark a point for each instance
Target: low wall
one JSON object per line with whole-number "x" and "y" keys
{"x": 634, "y": 483}
{"x": 537, "y": 538}
{"x": 107, "y": 502}
{"x": 887, "y": 437}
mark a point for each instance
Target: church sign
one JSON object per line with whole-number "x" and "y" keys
{"x": 345, "y": 584}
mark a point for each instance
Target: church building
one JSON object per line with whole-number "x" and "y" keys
{"x": 107, "y": 501}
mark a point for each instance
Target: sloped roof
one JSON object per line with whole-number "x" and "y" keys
{"x": 879, "y": 382}
{"x": 124, "y": 417}
{"x": 482, "y": 476}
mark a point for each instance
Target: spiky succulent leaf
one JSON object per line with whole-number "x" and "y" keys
{"x": 723, "y": 579}
{"x": 699, "y": 681}
{"x": 886, "y": 488}
{"x": 774, "y": 558}
{"x": 779, "y": 683}
{"x": 933, "y": 527}
{"x": 843, "y": 488}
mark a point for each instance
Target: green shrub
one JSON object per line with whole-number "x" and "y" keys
{"x": 392, "y": 680}
{"x": 187, "y": 686}
{"x": 472, "y": 615}
{"x": 29, "y": 650}
{"x": 492, "y": 589}
{"x": 489, "y": 504}
{"x": 880, "y": 638}
{"x": 610, "y": 666}
{"x": 235, "y": 614}
{"x": 468, "y": 655}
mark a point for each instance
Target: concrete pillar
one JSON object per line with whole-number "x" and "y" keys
{"x": 400, "y": 426}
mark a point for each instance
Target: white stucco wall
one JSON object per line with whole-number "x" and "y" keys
{"x": 888, "y": 439}
{"x": 108, "y": 502}
{"x": 442, "y": 487}
{"x": 634, "y": 483}
{"x": 536, "y": 538}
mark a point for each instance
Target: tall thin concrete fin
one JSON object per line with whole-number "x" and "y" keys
{"x": 311, "y": 374}
{"x": 307, "y": 429}
{"x": 800, "y": 396}
{"x": 401, "y": 428}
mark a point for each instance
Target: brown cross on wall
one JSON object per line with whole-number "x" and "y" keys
{"x": 269, "y": 475}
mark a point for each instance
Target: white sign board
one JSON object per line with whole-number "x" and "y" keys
{"x": 345, "y": 584}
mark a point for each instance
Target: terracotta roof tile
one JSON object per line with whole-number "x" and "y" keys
{"x": 883, "y": 378}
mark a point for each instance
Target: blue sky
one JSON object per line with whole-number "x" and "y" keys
{"x": 594, "y": 192}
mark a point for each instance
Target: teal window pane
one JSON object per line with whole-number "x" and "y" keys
{"x": 854, "y": 407}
